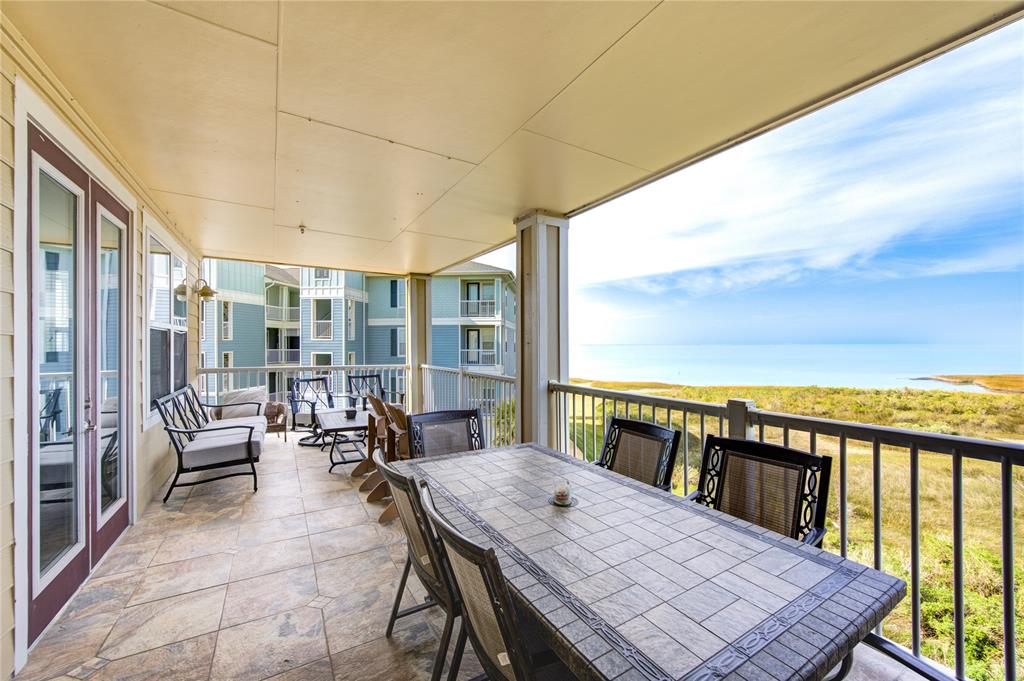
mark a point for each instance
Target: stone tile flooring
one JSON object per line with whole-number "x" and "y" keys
{"x": 293, "y": 583}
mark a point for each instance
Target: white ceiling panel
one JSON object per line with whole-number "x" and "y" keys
{"x": 220, "y": 228}
{"x": 324, "y": 249}
{"x": 389, "y": 186}
{"x": 256, "y": 18}
{"x": 693, "y": 74}
{"x": 456, "y": 78}
{"x": 410, "y": 252}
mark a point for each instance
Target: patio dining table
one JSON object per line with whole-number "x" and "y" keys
{"x": 636, "y": 583}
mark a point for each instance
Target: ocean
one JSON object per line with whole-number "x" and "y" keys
{"x": 853, "y": 366}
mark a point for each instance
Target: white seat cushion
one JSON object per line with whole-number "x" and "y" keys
{"x": 259, "y": 423}
{"x": 220, "y": 448}
{"x": 245, "y": 395}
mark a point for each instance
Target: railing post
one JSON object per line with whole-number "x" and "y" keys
{"x": 417, "y": 337}
{"x": 740, "y": 427}
{"x": 460, "y": 389}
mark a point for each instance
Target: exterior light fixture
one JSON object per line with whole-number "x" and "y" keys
{"x": 205, "y": 292}
{"x": 180, "y": 292}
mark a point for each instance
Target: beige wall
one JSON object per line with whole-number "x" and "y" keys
{"x": 6, "y": 368}
{"x": 153, "y": 459}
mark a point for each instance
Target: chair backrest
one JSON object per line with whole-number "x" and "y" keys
{"x": 371, "y": 383}
{"x": 486, "y": 604}
{"x": 422, "y": 543}
{"x": 49, "y": 412}
{"x": 175, "y": 413}
{"x": 315, "y": 391}
{"x": 193, "y": 407}
{"x": 645, "y": 452}
{"x": 397, "y": 431}
{"x": 444, "y": 432}
{"x": 778, "y": 488}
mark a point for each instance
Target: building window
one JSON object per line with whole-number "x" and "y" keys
{"x": 167, "y": 321}
{"x": 350, "y": 319}
{"x": 226, "y": 312}
{"x": 351, "y": 359}
{"x": 397, "y": 293}
{"x": 202, "y": 320}
{"x": 226, "y": 360}
{"x": 321, "y": 276}
{"x": 398, "y": 342}
{"x": 323, "y": 319}
{"x": 323, "y": 359}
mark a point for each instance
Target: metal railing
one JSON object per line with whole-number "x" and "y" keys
{"x": 478, "y": 357}
{"x": 580, "y": 413}
{"x": 323, "y": 329}
{"x": 214, "y": 382}
{"x": 283, "y": 356}
{"x": 278, "y": 313}
{"x": 495, "y": 396}
{"x": 478, "y": 308}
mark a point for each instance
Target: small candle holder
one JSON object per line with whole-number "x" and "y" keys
{"x": 563, "y": 495}
{"x": 350, "y": 413}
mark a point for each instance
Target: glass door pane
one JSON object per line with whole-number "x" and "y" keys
{"x": 58, "y": 492}
{"x": 109, "y": 287}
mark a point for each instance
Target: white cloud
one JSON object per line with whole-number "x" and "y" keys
{"x": 913, "y": 157}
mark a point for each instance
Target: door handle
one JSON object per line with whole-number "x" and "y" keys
{"x": 89, "y": 426}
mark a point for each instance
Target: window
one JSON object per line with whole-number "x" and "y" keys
{"x": 323, "y": 319}
{"x": 321, "y": 275}
{"x": 167, "y": 321}
{"x": 226, "y": 360}
{"x": 397, "y": 293}
{"x": 350, "y": 319}
{"x": 351, "y": 359}
{"x": 225, "y": 320}
{"x": 202, "y": 321}
{"x": 322, "y": 359}
{"x": 398, "y": 342}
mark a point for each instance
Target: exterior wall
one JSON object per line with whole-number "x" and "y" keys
{"x": 444, "y": 342}
{"x": 378, "y": 291}
{"x": 6, "y": 368}
{"x": 248, "y": 336}
{"x": 308, "y": 344}
{"x": 445, "y": 296}
{"x": 378, "y": 345}
{"x": 244, "y": 277}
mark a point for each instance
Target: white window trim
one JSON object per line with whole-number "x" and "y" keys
{"x": 229, "y": 378}
{"x": 314, "y": 321}
{"x": 350, "y": 319}
{"x": 313, "y": 355}
{"x": 229, "y": 325}
{"x": 153, "y": 228}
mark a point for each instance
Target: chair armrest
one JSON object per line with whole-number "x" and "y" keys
{"x": 815, "y": 537}
{"x": 692, "y": 496}
{"x": 196, "y": 431}
{"x": 258, "y": 405}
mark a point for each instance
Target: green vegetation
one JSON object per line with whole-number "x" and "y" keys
{"x": 1010, "y": 383}
{"x": 982, "y": 415}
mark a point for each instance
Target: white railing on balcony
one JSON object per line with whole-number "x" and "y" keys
{"x": 283, "y": 356}
{"x": 323, "y": 329}
{"x": 445, "y": 388}
{"x": 277, "y": 313}
{"x": 478, "y": 357}
{"x": 215, "y": 381}
{"x": 578, "y": 430}
{"x": 478, "y": 308}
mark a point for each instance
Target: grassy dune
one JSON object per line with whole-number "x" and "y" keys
{"x": 990, "y": 416}
{"x": 1010, "y": 383}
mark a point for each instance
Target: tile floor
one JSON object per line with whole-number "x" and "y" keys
{"x": 293, "y": 583}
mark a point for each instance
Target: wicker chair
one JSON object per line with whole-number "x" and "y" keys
{"x": 425, "y": 558}
{"x": 778, "y": 488}
{"x": 444, "y": 432}
{"x": 502, "y": 638}
{"x": 643, "y": 451}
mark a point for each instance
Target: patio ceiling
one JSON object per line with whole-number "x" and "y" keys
{"x": 407, "y": 136}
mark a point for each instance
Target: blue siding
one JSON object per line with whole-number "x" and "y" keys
{"x": 378, "y": 290}
{"x": 444, "y": 345}
{"x": 240, "y": 276}
{"x": 444, "y": 297}
{"x": 309, "y": 344}
{"x": 378, "y": 345}
{"x": 248, "y": 336}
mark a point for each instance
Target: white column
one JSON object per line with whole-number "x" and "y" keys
{"x": 542, "y": 326}
{"x": 417, "y": 337}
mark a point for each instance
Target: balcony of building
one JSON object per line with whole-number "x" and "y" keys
{"x": 300, "y": 133}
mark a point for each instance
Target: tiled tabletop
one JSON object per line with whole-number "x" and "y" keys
{"x": 636, "y": 583}
{"x": 334, "y": 420}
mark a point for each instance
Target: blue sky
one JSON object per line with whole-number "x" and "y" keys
{"x": 894, "y": 216}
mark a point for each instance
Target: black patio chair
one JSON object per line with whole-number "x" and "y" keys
{"x": 645, "y": 452}
{"x": 316, "y": 394}
{"x": 49, "y": 414}
{"x": 425, "y": 558}
{"x": 372, "y": 384}
{"x": 775, "y": 487}
{"x": 444, "y": 432}
{"x": 505, "y": 640}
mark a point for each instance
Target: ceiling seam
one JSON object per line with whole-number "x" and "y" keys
{"x": 324, "y": 231}
{"x": 212, "y": 23}
{"x": 376, "y": 137}
{"x": 277, "y": 98}
{"x": 529, "y": 118}
{"x": 589, "y": 151}
{"x": 210, "y": 198}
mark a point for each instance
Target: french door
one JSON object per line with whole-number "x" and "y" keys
{"x": 78, "y": 468}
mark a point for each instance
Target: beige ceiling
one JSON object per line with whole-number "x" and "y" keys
{"x": 407, "y": 136}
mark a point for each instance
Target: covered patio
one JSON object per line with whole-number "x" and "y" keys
{"x": 394, "y": 138}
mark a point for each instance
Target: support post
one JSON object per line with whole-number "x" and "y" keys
{"x": 740, "y": 427}
{"x": 417, "y": 337}
{"x": 542, "y": 328}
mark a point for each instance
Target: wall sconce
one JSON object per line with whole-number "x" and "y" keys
{"x": 206, "y": 293}
{"x": 180, "y": 292}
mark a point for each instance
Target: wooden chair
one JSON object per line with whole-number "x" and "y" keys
{"x": 645, "y": 452}
{"x": 502, "y": 638}
{"x": 376, "y": 436}
{"x": 775, "y": 487}
{"x": 397, "y": 448}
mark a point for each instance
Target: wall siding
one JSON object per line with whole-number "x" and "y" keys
{"x": 335, "y": 344}
{"x": 444, "y": 297}
{"x": 378, "y": 290}
{"x": 378, "y": 345}
{"x": 248, "y": 336}
{"x": 444, "y": 341}
{"x": 6, "y": 372}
